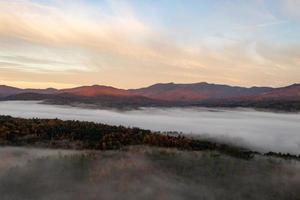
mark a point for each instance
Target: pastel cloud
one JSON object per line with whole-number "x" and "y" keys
{"x": 77, "y": 43}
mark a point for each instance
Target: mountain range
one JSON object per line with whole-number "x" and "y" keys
{"x": 161, "y": 94}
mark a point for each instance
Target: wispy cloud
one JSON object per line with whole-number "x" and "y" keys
{"x": 291, "y": 8}
{"x": 264, "y": 25}
{"x": 78, "y": 43}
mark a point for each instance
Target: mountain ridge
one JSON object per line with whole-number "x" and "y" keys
{"x": 164, "y": 91}
{"x": 164, "y": 94}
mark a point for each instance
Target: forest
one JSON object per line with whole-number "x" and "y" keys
{"x": 59, "y": 134}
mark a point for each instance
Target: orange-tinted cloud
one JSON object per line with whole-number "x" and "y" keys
{"x": 52, "y": 44}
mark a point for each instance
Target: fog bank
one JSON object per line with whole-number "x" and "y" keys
{"x": 144, "y": 173}
{"x": 263, "y": 131}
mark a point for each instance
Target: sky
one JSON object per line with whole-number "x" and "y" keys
{"x": 136, "y": 43}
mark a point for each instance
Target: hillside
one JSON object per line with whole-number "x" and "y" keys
{"x": 196, "y": 91}
{"x": 291, "y": 92}
{"x": 7, "y": 90}
{"x": 95, "y": 90}
{"x": 164, "y": 95}
{"x": 55, "y": 133}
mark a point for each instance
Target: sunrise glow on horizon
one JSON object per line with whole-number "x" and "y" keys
{"x": 134, "y": 43}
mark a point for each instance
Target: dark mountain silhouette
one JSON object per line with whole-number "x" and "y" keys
{"x": 196, "y": 91}
{"x": 7, "y": 91}
{"x": 291, "y": 92}
{"x": 41, "y": 91}
{"x": 164, "y": 94}
{"x": 105, "y": 101}
{"x": 95, "y": 90}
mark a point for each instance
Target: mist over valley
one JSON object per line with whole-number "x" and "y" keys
{"x": 257, "y": 130}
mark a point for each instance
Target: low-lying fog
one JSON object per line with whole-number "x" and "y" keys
{"x": 263, "y": 131}
{"x": 143, "y": 173}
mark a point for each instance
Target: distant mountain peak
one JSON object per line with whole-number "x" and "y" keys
{"x": 187, "y": 92}
{"x": 205, "y": 83}
{"x": 194, "y": 91}
{"x": 295, "y": 85}
{"x": 95, "y": 90}
{"x": 6, "y": 86}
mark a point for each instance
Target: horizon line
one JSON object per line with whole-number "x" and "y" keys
{"x": 163, "y": 83}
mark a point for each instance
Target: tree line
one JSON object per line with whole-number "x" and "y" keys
{"x": 72, "y": 134}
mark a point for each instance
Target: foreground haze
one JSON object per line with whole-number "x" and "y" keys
{"x": 143, "y": 173}
{"x": 263, "y": 131}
